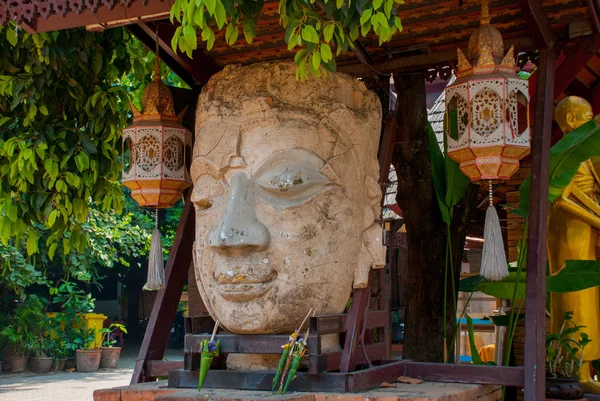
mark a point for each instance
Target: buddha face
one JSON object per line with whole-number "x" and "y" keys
{"x": 285, "y": 208}
{"x": 572, "y": 112}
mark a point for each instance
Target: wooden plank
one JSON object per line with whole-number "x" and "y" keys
{"x": 242, "y": 344}
{"x": 333, "y": 324}
{"x": 165, "y": 306}
{"x": 200, "y": 67}
{"x": 331, "y": 360}
{"x": 569, "y": 69}
{"x": 162, "y": 368}
{"x": 117, "y": 16}
{"x": 364, "y": 379}
{"x": 535, "y": 313}
{"x": 594, "y": 9}
{"x": 440, "y": 372}
{"x": 259, "y": 380}
{"x": 354, "y": 325}
{"x": 418, "y": 62}
{"x": 534, "y": 14}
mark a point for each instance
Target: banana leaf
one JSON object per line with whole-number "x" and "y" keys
{"x": 449, "y": 183}
{"x": 474, "y": 351}
{"x": 566, "y": 156}
{"x": 438, "y": 174}
{"x": 577, "y": 275}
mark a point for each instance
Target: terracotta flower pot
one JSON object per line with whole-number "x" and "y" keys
{"x": 58, "y": 365}
{"x": 40, "y": 365}
{"x": 563, "y": 389}
{"x": 88, "y": 360}
{"x": 70, "y": 364}
{"x": 110, "y": 357}
{"x": 19, "y": 364}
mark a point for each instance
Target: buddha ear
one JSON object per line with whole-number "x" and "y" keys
{"x": 571, "y": 119}
{"x": 370, "y": 256}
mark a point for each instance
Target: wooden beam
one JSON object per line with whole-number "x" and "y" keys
{"x": 534, "y": 14}
{"x": 594, "y": 9}
{"x": 167, "y": 300}
{"x": 119, "y": 15}
{"x": 440, "y": 372}
{"x": 568, "y": 70}
{"x": 418, "y": 62}
{"x": 354, "y": 325}
{"x": 535, "y": 314}
{"x": 162, "y": 368}
{"x": 199, "y": 68}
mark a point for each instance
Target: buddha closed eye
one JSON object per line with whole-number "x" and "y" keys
{"x": 283, "y": 181}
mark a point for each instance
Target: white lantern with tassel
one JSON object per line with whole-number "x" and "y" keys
{"x": 155, "y": 148}
{"x": 487, "y": 126}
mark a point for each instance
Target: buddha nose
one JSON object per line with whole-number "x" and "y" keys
{"x": 239, "y": 227}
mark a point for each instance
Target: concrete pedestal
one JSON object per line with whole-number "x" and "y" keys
{"x": 426, "y": 391}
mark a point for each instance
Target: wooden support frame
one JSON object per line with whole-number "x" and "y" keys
{"x": 165, "y": 306}
{"x": 194, "y": 71}
{"x": 354, "y": 324}
{"x": 535, "y": 314}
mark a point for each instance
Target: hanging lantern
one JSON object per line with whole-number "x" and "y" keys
{"x": 155, "y": 151}
{"x": 487, "y": 125}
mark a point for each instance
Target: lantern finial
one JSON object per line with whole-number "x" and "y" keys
{"x": 156, "y": 76}
{"x": 157, "y": 102}
{"x": 485, "y": 14}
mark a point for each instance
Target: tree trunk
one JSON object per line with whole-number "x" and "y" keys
{"x": 135, "y": 283}
{"x": 425, "y": 229}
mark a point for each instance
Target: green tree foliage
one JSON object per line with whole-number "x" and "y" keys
{"x": 113, "y": 240}
{"x": 61, "y": 116}
{"x": 314, "y": 28}
{"x": 64, "y": 98}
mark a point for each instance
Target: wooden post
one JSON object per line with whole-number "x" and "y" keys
{"x": 535, "y": 314}
{"x": 354, "y": 327}
{"x": 165, "y": 305}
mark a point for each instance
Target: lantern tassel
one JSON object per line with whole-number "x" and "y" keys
{"x": 156, "y": 270}
{"x": 493, "y": 263}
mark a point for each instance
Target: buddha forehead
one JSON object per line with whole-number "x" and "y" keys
{"x": 226, "y": 145}
{"x": 268, "y": 111}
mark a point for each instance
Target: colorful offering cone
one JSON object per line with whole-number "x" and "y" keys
{"x": 293, "y": 369}
{"x": 209, "y": 351}
{"x": 281, "y": 366}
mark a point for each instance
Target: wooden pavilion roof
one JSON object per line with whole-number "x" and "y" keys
{"x": 433, "y": 29}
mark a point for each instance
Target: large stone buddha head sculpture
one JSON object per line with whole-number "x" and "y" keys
{"x": 286, "y": 195}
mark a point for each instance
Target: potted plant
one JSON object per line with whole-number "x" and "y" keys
{"x": 110, "y": 353}
{"x": 564, "y": 353}
{"x": 22, "y": 330}
{"x": 59, "y": 347}
{"x": 71, "y": 336}
{"x": 87, "y": 360}
{"x": 40, "y": 340}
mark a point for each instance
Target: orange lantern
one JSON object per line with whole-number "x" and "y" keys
{"x": 487, "y": 125}
{"x": 155, "y": 149}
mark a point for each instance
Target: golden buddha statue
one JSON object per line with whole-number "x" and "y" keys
{"x": 574, "y": 219}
